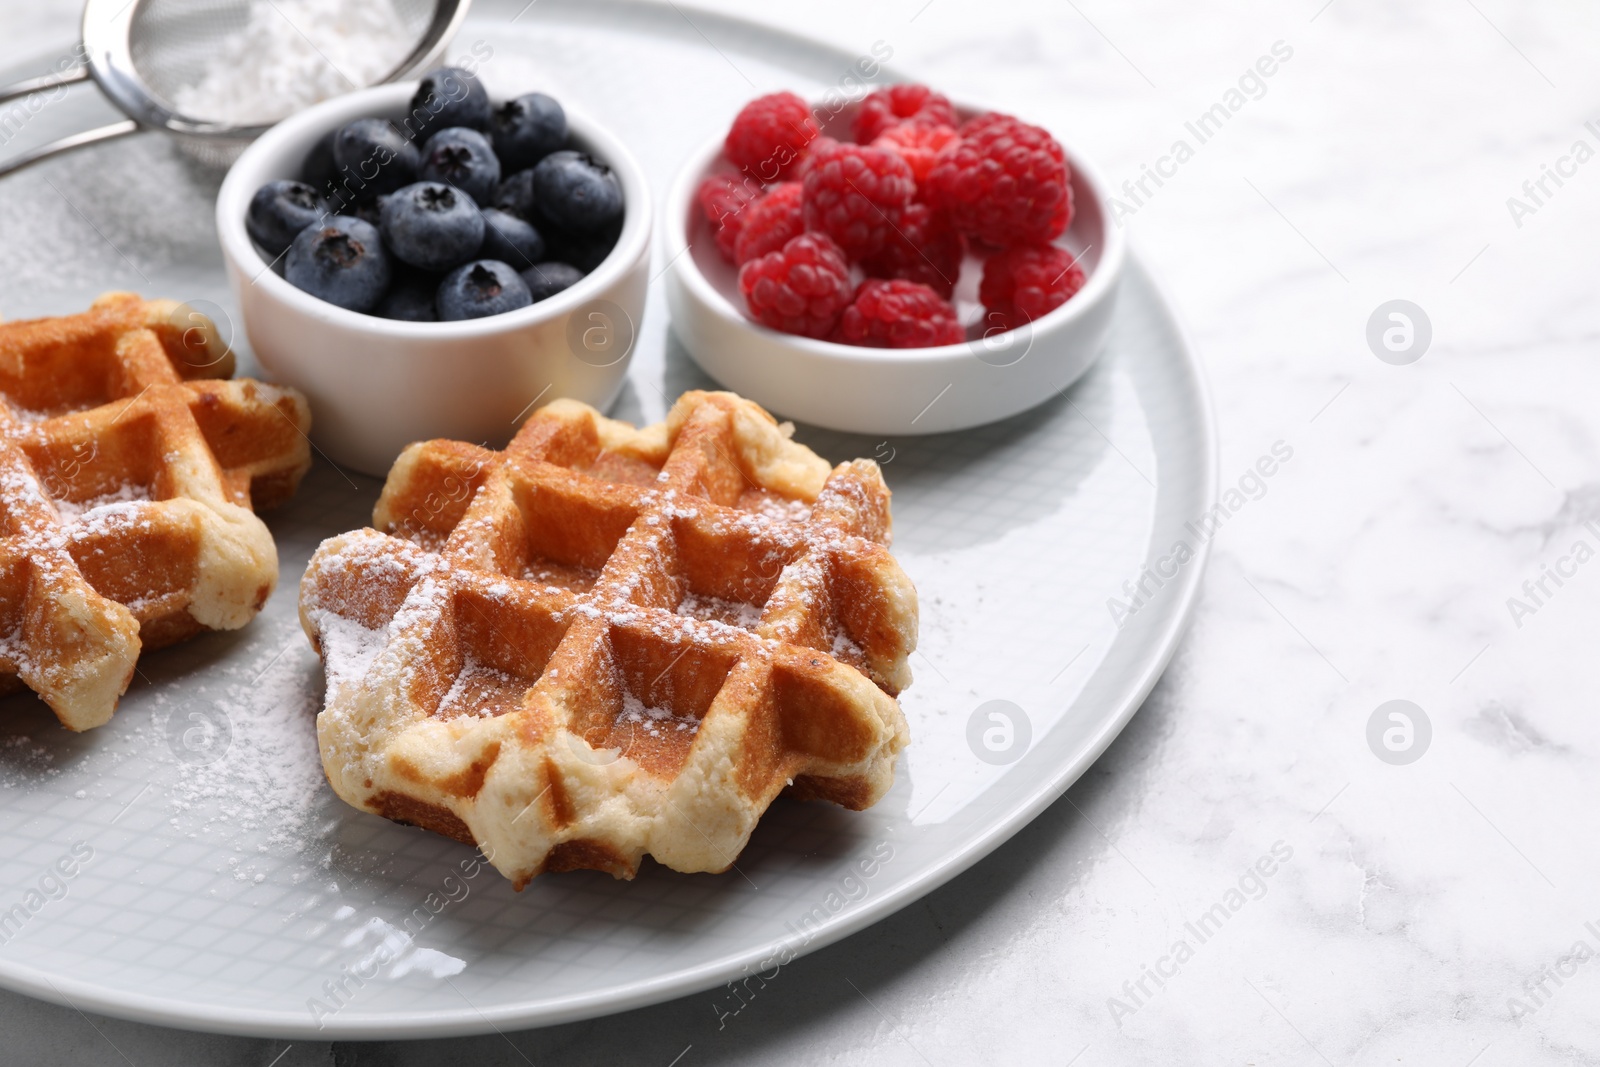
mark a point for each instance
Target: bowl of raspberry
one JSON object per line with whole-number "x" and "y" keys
{"x": 424, "y": 261}
{"x": 899, "y": 264}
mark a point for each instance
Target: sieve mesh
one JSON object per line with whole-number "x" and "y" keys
{"x": 148, "y": 55}
{"x": 170, "y": 46}
{"x": 170, "y": 42}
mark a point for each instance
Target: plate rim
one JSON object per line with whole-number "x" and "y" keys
{"x": 81, "y": 995}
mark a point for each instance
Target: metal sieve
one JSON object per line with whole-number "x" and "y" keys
{"x": 143, "y": 53}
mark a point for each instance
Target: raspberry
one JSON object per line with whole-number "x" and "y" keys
{"x": 855, "y": 194}
{"x": 1003, "y": 183}
{"x": 924, "y": 249}
{"x": 723, "y": 199}
{"x": 821, "y": 146}
{"x": 799, "y": 289}
{"x": 918, "y": 143}
{"x": 1026, "y": 283}
{"x": 896, "y": 104}
{"x": 769, "y": 137}
{"x": 772, "y": 222}
{"x": 989, "y": 119}
{"x": 899, "y": 314}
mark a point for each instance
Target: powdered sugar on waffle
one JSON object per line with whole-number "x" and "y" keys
{"x": 666, "y": 505}
{"x": 780, "y": 508}
{"x": 846, "y": 650}
{"x": 656, "y": 722}
{"x": 464, "y": 695}
{"x": 23, "y": 489}
{"x": 32, "y": 416}
{"x": 72, "y": 512}
{"x": 27, "y": 497}
{"x": 15, "y": 651}
{"x": 348, "y": 648}
{"x": 715, "y": 609}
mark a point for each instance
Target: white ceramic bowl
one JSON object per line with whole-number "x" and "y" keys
{"x": 889, "y": 391}
{"x": 376, "y": 385}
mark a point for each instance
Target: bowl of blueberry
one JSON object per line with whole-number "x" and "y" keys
{"x": 423, "y": 261}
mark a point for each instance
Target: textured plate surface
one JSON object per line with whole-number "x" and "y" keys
{"x": 216, "y": 883}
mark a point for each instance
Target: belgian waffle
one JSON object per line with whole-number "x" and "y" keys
{"x": 127, "y": 476}
{"x": 606, "y": 641}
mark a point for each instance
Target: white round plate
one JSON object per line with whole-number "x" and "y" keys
{"x": 217, "y": 884}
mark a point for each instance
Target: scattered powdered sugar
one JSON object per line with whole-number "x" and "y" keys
{"x": 655, "y": 721}
{"x": 846, "y": 650}
{"x": 72, "y": 512}
{"x": 27, "y": 503}
{"x": 475, "y": 689}
{"x": 23, "y": 762}
{"x": 666, "y": 503}
{"x": 292, "y": 54}
{"x": 30, "y": 416}
{"x": 554, "y": 576}
{"x": 253, "y": 766}
{"x": 104, "y": 518}
{"x": 14, "y": 651}
{"x": 39, "y": 533}
{"x": 348, "y": 648}
{"x": 715, "y": 609}
{"x": 772, "y": 506}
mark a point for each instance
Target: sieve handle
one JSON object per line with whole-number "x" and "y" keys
{"x": 70, "y": 76}
{"x": 67, "y": 144}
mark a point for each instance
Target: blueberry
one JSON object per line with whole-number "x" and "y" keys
{"x": 319, "y": 171}
{"x": 463, "y": 158}
{"x": 281, "y": 209}
{"x": 448, "y": 97}
{"x": 515, "y": 195}
{"x": 509, "y": 239}
{"x": 430, "y": 225}
{"x": 527, "y": 129}
{"x": 482, "y": 287}
{"x": 322, "y": 174}
{"x": 548, "y": 279}
{"x": 374, "y": 158}
{"x": 575, "y": 191}
{"x": 586, "y": 251}
{"x": 410, "y": 298}
{"x": 341, "y": 260}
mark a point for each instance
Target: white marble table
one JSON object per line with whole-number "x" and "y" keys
{"x": 1436, "y": 912}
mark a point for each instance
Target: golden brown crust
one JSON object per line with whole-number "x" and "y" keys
{"x": 412, "y": 812}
